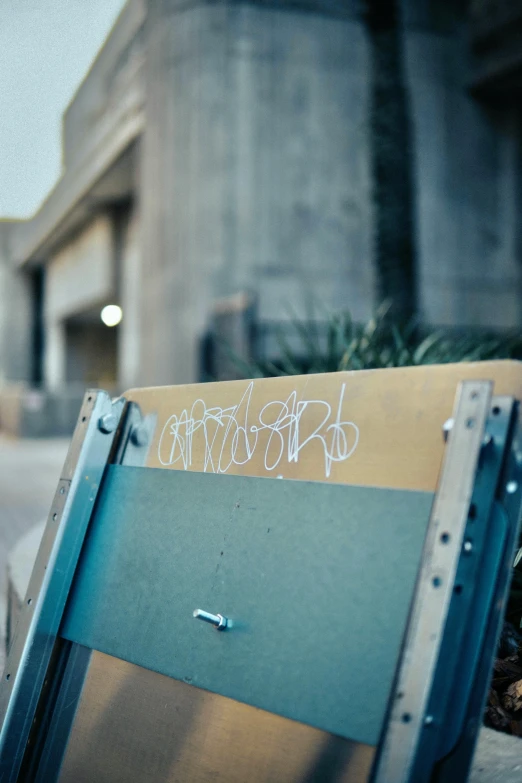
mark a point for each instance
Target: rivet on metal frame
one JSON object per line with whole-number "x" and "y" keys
{"x": 108, "y": 423}
{"x": 139, "y": 435}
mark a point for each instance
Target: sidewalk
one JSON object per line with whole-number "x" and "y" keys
{"x": 29, "y": 472}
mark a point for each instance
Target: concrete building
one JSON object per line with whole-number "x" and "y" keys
{"x": 216, "y": 170}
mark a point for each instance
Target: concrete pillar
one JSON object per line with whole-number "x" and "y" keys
{"x": 468, "y": 185}
{"x": 255, "y": 170}
{"x": 16, "y": 316}
{"x": 55, "y": 355}
{"x": 129, "y": 357}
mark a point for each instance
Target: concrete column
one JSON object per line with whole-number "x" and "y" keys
{"x": 16, "y": 316}
{"x": 255, "y": 168}
{"x": 55, "y": 355}
{"x": 129, "y": 358}
{"x": 468, "y": 180}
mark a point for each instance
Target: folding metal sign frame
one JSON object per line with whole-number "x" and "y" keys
{"x": 433, "y": 710}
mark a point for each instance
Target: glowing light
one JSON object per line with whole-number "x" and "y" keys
{"x": 111, "y": 315}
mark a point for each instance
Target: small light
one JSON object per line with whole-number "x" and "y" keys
{"x": 111, "y": 315}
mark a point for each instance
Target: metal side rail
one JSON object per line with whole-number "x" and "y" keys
{"x": 33, "y": 646}
{"x": 437, "y": 702}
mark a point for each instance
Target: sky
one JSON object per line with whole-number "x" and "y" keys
{"x": 46, "y": 48}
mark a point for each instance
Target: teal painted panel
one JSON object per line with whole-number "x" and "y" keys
{"x": 317, "y": 579}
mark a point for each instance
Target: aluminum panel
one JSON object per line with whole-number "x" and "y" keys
{"x": 316, "y": 578}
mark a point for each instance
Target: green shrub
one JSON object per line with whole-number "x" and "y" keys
{"x": 342, "y": 344}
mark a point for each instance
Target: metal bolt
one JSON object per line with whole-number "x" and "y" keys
{"x": 217, "y": 620}
{"x": 428, "y": 720}
{"x": 511, "y": 487}
{"x": 139, "y": 435}
{"x": 107, "y": 423}
{"x": 468, "y": 547}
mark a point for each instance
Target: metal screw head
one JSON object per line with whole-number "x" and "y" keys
{"x": 107, "y": 423}
{"x": 468, "y": 547}
{"x": 139, "y": 435}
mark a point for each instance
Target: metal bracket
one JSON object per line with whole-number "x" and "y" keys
{"x": 127, "y": 439}
{"x": 409, "y": 714}
{"x": 491, "y": 591}
{"x": 460, "y": 596}
{"x": 477, "y": 573}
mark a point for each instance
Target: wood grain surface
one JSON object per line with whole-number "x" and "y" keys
{"x": 370, "y": 427}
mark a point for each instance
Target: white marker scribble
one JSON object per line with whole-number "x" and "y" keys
{"x": 231, "y": 435}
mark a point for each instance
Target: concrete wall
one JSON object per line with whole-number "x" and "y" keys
{"x": 25, "y": 411}
{"x": 111, "y": 80}
{"x": 79, "y": 277}
{"x": 91, "y": 355}
{"x": 468, "y": 185}
{"x": 81, "y": 273}
{"x": 255, "y": 169}
{"x": 31, "y": 413}
{"x": 101, "y": 264}
{"x": 252, "y": 174}
{"x": 100, "y": 126}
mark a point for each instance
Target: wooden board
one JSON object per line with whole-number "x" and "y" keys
{"x": 114, "y": 739}
{"x": 371, "y": 427}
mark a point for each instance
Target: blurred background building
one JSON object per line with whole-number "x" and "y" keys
{"x": 226, "y": 163}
